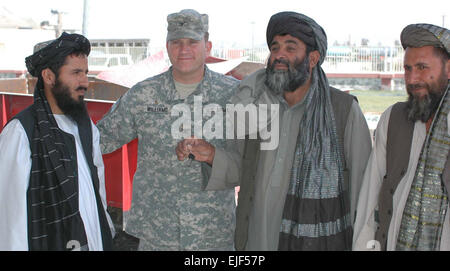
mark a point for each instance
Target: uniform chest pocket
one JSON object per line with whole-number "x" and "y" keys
{"x": 154, "y": 125}
{"x": 154, "y": 115}
{"x": 158, "y": 109}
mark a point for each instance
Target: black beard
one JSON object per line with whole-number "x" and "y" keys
{"x": 69, "y": 106}
{"x": 290, "y": 80}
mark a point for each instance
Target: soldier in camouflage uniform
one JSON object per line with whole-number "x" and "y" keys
{"x": 170, "y": 208}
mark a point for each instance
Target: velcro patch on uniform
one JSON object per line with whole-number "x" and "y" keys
{"x": 157, "y": 108}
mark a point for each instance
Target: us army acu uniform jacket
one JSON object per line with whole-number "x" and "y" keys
{"x": 170, "y": 208}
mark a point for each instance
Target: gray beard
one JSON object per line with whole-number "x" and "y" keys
{"x": 422, "y": 109}
{"x": 280, "y": 81}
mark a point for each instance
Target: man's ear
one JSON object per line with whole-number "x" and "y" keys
{"x": 314, "y": 57}
{"x": 208, "y": 48}
{"x": 48, "y": 76}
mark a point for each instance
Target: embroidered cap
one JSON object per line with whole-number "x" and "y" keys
{"x": 48, "y": 52}
{"x": 419, "y": 35}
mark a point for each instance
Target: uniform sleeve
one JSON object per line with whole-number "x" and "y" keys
{"x": 357, "y": 150}
{"x": 98, "y": 162}
{"x": 365, "y": 225}
{"x": 15, "y": 166}
{"x": 117, "y": 127}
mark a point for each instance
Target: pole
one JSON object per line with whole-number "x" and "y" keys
{"x": 85, "y": 17}
{"x": 4, "y": 115}
{"x": 253, "y": 38}
{"x": 58, "y": 26}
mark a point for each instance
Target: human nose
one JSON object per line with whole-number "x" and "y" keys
{"x": 412, "y": 76}
{"x": 279, "y": 59}
{"x": 280, "y": 52}
{"x": 185, "y": 47}
{"x": 84, "y": 80}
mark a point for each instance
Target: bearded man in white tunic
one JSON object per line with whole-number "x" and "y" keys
{"x": 52, "y": 186}
{"x": 403, "y": 203}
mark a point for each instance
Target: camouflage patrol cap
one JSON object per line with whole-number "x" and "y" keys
{"x": 187, "y": 23}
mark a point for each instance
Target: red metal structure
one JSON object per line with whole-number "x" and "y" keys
{"x": 120, "y": 165}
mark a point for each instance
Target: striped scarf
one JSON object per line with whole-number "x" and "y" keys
{"x": 426, "y": 206}
{"x": 316, "y": 213}
{"x": 54, "y": 220}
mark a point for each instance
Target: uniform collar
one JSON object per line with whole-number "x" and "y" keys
{"x": 202, "y": 89}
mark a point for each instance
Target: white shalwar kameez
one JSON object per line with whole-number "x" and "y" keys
{"x": 15, "y": 166}
{"x": 365, "y": 225}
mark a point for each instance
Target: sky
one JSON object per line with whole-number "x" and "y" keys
{"x": 239, "y": 22}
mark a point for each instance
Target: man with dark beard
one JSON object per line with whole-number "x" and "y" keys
{"x": 75, "y": 108}
{"x": 302, "y": 194}
{"x": 403, "y": 203}
{"x": 282, "y": 80}
{"x": 52, "y": 185}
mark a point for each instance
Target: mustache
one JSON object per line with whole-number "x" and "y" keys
{"x": 412, "y": 87}
{"x": 82, "y": 88}
{"x": 280, "y": 61}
